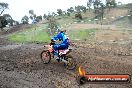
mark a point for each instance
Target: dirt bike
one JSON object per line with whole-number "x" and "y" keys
{"x": 64, "y": 56}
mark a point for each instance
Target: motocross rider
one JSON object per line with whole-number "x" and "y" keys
{"x": 61, "y": 36}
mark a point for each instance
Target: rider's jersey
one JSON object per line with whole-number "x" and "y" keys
{"x": 61, "y": 36}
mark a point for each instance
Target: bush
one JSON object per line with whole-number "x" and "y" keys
{"x": 3, "y": 22}
{"x": 78, "y": 16}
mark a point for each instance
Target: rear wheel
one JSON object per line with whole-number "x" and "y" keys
{"x": 45, "y": 56}
{"x": 71, "y": 63}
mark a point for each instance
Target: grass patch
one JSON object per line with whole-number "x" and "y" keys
{"x": 36, "y": 34}
{"x": 129, "y": 31}
{"x": 82, "y": 34}
{"x": 124, "y": 22}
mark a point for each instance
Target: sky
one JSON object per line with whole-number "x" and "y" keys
{"x": 19, "y": 8}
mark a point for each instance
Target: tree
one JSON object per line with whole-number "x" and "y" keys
{"x": 102, "y": 12}
{"x": 3, "y": 22}
{"x": 33, "y": 16}
{"x": 39, "y": 18}
{"x": 129, "y": 6}
{"x": 59, "y": 11}
{"x": 98, "y": 8}
{"x": 68, "y": 13}
{"x": 53, "y": 14}
{"x": 31, "y": 12}
{"x": 130, "y": 17}
{"x": 52, "y": 22}
{"x": 45, "y": 16}
{"x": 70, "y": 10}
{"x": 16, "y": 23}
{"x": 8, "y": 19}
{"x": 78, "y": 16}
{"x": 52, "y": 25}
{"x": 63, "y": 12}
{"x": 96, "y": 4}
{"x": 78, "y": 8}
{"x": 24, "y": 20}
{"x": 119, "y": 3}
{"x": 3, "y": 6}
{"x": 83, "y": 8}
{"x": 113, "y": 3}
{"x": 110, "y": 4}
{"x": 89, "y": 4}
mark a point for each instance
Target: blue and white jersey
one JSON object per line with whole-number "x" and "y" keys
{"x": 61, "y": 36}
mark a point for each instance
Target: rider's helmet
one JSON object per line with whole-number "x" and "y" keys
{"x": 63, "y": 31}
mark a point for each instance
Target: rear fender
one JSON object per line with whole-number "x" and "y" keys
{"x": 70, "y": 50}
{"x": 64, "y": 52}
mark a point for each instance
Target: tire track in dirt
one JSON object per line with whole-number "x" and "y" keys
{"x": 20, "y": 64}
{"x": 94, "y": 63}
{"x": 22, "y": 68}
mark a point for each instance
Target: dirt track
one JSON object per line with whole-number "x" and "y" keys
{"x": 21, "y": 67}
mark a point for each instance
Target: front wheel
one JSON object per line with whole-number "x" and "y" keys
{"x": 45, "y": 56}
{"x": 71, "y": 63}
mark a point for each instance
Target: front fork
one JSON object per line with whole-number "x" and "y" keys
{"x": 62, "y": 58}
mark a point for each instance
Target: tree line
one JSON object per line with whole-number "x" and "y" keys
{"x": 98, "y": 10}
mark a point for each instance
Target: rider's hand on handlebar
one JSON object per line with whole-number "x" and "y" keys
{"x": 52, "y": 42}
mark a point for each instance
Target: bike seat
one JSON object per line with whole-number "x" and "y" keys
{"x": 63, "y": 51}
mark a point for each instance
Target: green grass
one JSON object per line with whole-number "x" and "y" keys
{"x": 37, "y": 34}
{"x": 129, "y": 31}
{"x": 123, "y": 22}
{"x": 82, "y": 34}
